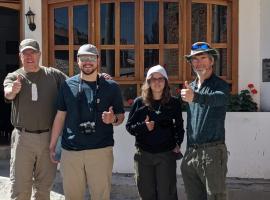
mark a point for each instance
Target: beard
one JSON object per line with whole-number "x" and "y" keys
{"x": 88, "y": 70}
{"x": 201, "y": 72}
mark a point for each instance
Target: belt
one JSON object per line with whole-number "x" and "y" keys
{"x": 211, "y": 144}
{"x": 33, "y": 131}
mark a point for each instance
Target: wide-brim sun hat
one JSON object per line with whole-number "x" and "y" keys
{"x": 202, "y": 47}
{"x": 156, "y": 68}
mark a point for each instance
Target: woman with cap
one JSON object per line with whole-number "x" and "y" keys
{"x": 156, "y": 122}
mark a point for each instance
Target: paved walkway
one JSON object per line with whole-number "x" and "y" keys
{"x": 123, "y": 187}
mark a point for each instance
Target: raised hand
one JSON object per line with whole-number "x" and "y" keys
{"x": 17, "y": 85}
{"x": 108, "y": 117}
{"x": 106, "y": 76}
{"x": 187, "y": 94}
{"x": 150, "y": 124}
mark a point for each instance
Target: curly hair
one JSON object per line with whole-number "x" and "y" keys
{"x": 147, "y": 94}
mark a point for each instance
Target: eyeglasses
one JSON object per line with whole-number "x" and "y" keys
{"x": 88, "y": 58}
{"x": 202, "y": 46}
{"x": 160, "y": 79}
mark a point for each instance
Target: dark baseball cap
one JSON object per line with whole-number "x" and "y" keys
{"x": 29, "y": 44}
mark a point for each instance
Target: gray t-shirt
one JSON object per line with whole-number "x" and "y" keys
{"x": 35, "y": 114}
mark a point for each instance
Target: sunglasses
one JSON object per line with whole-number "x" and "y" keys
{"x": 88, "y": 58}
{"x": 160, "y": 79}
{"x": 200, "y": 47}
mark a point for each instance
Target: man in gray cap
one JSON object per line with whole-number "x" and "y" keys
{"x": 204, "y": 166}
{"x": 88, "y": 108}
{"x": 32, "y": 89}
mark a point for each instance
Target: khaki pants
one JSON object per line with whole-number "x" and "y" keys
{"x": 30, "y": 165}
{"x": 204, "y": 173}
{"x": 93, "y": 167}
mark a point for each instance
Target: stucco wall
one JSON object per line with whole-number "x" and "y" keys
{"x": 247, "y": 139}
{"x": 35, "y": 6}
{"x": 249, "y": 45}
{"x": 265, "y": 51}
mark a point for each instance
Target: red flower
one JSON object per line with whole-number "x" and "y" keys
{"x": 177, "y": 91}
{"x": 130, "y": 101}
{"x": 254, "y": 91}
{"x": 251, "y": 85}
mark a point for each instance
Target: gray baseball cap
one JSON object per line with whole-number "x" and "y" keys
{"x": 88, "y": 49}
{"x": 29, "y": 44}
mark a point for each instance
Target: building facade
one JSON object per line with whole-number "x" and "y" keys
{"x": 133, "y": 35}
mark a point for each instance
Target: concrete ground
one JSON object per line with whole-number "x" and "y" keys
{"x": 124, "y": 188}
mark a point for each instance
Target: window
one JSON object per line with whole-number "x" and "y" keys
{"x": 135, "y": 35}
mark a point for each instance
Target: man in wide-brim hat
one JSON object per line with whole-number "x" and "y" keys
{"x": 204, "y": 166}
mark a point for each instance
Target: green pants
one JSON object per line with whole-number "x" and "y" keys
{"x": 156, "y": 175}
{"x": 204, "y": 173}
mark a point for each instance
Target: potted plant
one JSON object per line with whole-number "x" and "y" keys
{"x": 243, "y": 102}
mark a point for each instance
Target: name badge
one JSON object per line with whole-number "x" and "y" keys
{"x": 34, "y": 92}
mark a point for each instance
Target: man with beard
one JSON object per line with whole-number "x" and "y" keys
{"x": 204, "y": 165}
{"x": 88, "y": 108}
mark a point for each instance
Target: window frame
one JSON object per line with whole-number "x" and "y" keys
{"x": 183, "y": 46}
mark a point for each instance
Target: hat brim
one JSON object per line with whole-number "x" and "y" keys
{"x": 28, "y": 47}
{"x": 212, "y": 52}
{"x": 87, "y": 53}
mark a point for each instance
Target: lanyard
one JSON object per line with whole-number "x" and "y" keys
{"x": 96, "y": 100}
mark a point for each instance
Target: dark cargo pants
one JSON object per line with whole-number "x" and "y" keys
{"x": 156, "y": 175}
{"x": 204, "y": 172}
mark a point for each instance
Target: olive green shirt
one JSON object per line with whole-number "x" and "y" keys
{"x": 31, "y": 114}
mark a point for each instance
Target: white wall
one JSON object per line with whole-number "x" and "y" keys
{"x": 265, "y": 51}
{"x": 35, "y": 6}
{"x": 249, "y": 45}
{"x": 247, "y": 139}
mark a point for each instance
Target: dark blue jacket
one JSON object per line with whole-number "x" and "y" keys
{"x": 206, "y": 114}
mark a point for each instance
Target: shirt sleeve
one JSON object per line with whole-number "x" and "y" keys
{"x": 215, "y": 98}
{"x": 135, "y": 125}
{"x": 118, "y": 106}
{"x": 59, "y": 76}
{"x": 61, "y": 103}
{"x": 179, "y": 123}
{"x": 10, "y": 78}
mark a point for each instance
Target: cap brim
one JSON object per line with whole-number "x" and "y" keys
{"x": 87, "y": 53}
{"x": 213, "y": 52}
{"x": 28, "y": 47}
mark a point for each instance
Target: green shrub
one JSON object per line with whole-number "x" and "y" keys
{"x": 242, "y": 102}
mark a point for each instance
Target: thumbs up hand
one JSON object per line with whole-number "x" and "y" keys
{"x": 150, "y": 124}
{"x": 108, "y": 117}
{"x": 17, "y": 85}
{"x": 187, "y": 94}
